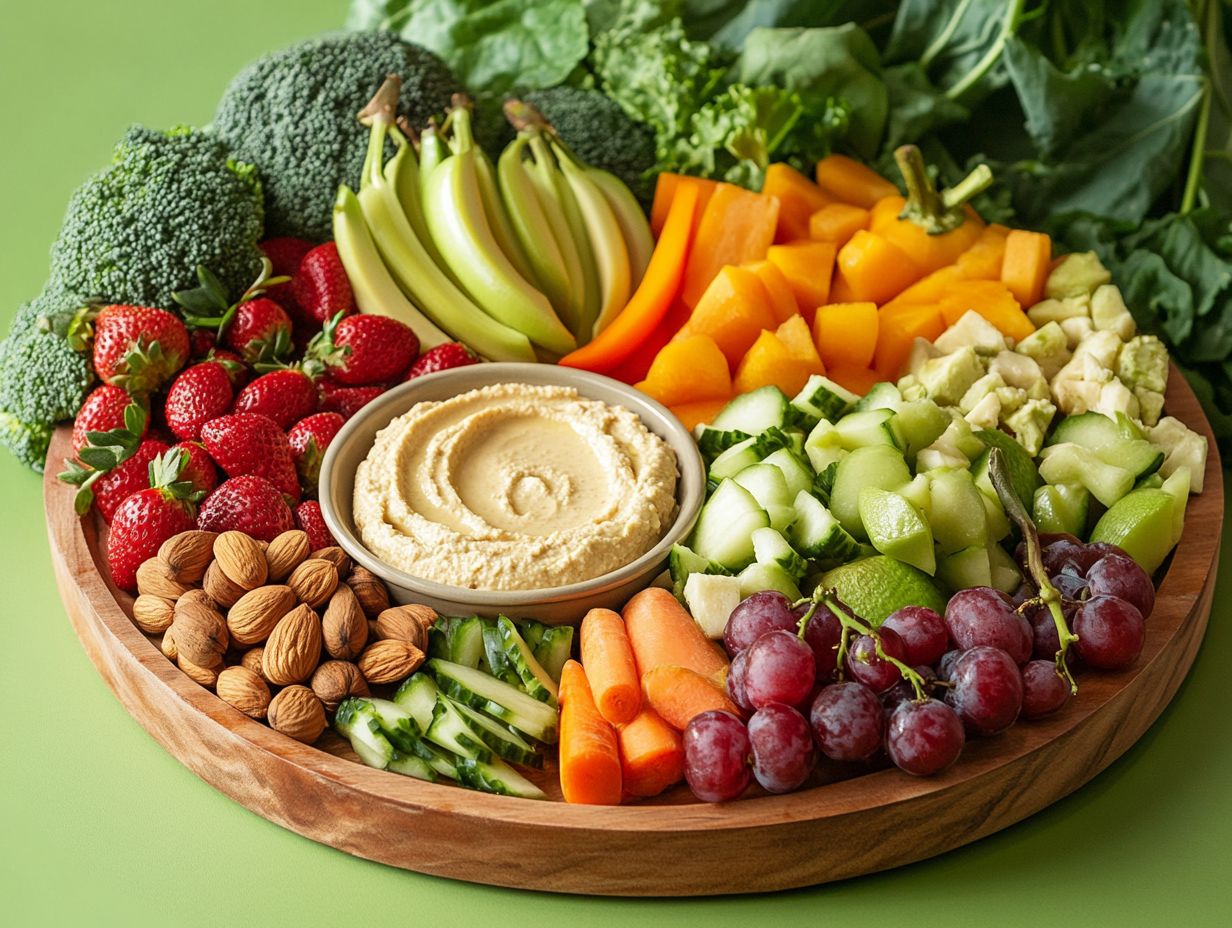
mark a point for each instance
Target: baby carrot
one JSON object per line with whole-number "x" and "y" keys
{"x": 678, "y": 694}
{"x": 589, "y": 758}
{"x": 651, "y": 754}
{"x": 662, "y": 632}
{"x": 610, "y": 667}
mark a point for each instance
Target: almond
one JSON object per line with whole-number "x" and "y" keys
{"x": 153, "y": 614}
{"x": 407, "y": 623}
{"x": 334, "y": 681}
{"x": 293, "y": 648}
{"x": 389, "y": 660}
{"x": 314, "y": 581}
{"x": 297, "y": 712}
{"x": 221, "y": 588}
{"x": 243, "y": 689}
{"x": 254, "y": 616}
{"x": 336, "y": 556}
{"x": 344, "y": 626}
{"x": 200, "y": 597}
{"x": 369, "y": 590}
{"x": 167, "y": 646}
{"x": 241, "y": 559}
{"x": 154, "y": 577}
{"x": 285, "y": 553}
{"x": 188, "y": 554}
{"x": 205, "y": 676}
{"x": 252, "y": 660}
{"x": 200, "y": 633}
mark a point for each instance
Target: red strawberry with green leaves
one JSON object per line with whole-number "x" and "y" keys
{"x": 102, "y": 411}
{"x": 322, "y": 288}
{"x": 200, "y": 470}
{"x": 255, "y": 327}
{"x": 373, "y": 349}
{"x": 347, "y": 400}
{"x": 260, "y": 330}
{"x": 308, "y": 518}
{"x": 285, "y": 253}
{"x": 149, "y": 517}
{"x": 138, "y": 348}
{"x": 247, "y": 504}
{"x": 112, "y": 462}
{"x": 441, "y": 358}
{"x": 200, "y": 393}
{"x": 286, "y": 396}
{"x": 308, "y": 439}
{"x": 201, "y": 343}
{"x": 247, "y": 443}
{"x": 125, "y": 479}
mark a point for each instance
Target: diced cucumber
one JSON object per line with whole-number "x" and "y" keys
{"x": 450, "y": 731}
{"x": 823, "y": 485}
{"x": 774, "y": 439}
{"x": 417, "y": 695}
{"x": 781, "y": 517}
{"x": 1018, "y": 462}
{"x": 531, "y": 632}
{"x": 884, "y": 395}
{"x": 466, "y": 641}
{"x": 757, "y": 577}
{"x": 711, "y": 599}
{"x": 958, "y": 516}
{"x": 870, "y": 427}
{"x": 770, "y": 547}
{"x": 918, "y": 492}
{"x": 994, "y": 516}
{"x": 823, "y": 446}
{"x": 725, "y": 525}
{"x": 495, "y": 660}
{"x": 1072, "y": 463}
{"x": 356, "y": 721}
{"x": 965, "y": 568}
{"x": 822, "y": 398}
{"x": 878, "y": 466}
{"x": 1149, "y": 482}
{"x": 896, "y": 528}
{"x": 535, "y": 680}
{"x": 411, "y": 766}
{"x": 444, "y": 763}
{"x": 504, "y": 742}
{"x": 1107, "y": 438}
{"x": 438, "y": 636}
{"x": 754, "y": 412}
{"x": 1006, "y": 576}
{"x": 799, "y": 476}
{"x": 1128, "y": 428}
{"x": 495, "y": 776}
{"x": 554, "y": 648}
{"x": 712, "y": 442}
{"x": 682, "y": 562}
{"x": 397, "y": 724}
{"x": 817, "y": 534}
{"x": 921, "y": 423}
{"x": 1061, "y": 507}
{"x": 766, "y": 484}
{"x": 499, "y": 700}
{"x": 1177, "y": 486}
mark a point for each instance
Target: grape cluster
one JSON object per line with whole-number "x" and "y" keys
{"x": 815, "y": 681}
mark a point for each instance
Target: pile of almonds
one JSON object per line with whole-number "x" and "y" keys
{"x": 279, "y": 632}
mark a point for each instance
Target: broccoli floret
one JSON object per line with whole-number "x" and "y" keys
{"x": 600, "y": 133}
{"x": 169, "y": 201}
{"x": 28, "y": 443}
{"x": 42, "y": 379}
{"x": 293, "y": 114}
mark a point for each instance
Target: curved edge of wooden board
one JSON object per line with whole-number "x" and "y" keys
{"x": 842, "y": 829}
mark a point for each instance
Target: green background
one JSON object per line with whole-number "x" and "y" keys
{"x": 98, "y": 825}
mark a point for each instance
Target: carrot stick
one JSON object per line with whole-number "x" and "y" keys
{"x": 610, "y": 666}
{"x": 651, "y": 754}
{"x": 678, "y": 694}
{"x": 589, "y": 758}
{"x": 663, "y": 633}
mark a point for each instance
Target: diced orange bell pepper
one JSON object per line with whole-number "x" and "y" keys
{"x": 992, "y": 300}
{"x": 699, "y": 412}
{"x": 982, "y": 261}
{"x": 846, "y": 334}
{"x": 885, "y": 213}
{"x": 795, "y": 334}
{"x": 665, "y": 191}
{"x": 837, "y": 223}
{"x": 770, "y": 361}
{"x": 798, "y": 197}
{"x": 849, "y": 181}
{"x": 808, "y": 267}
{"x": 930, "y": 289}
{"x": 875, "y": 269}
{"x": 1024, "y": 269}
{"x": 732, "y": 311}
{"x": 782, "y": 301}
{"x": 687, "y": 371}
{"x": 858, "y": 380}
{"x": 897, "y": 328}
{"x": 737, "y": 226}
{"x": 840, "y": 290}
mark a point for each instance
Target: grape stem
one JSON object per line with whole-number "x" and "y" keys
{"x": 1048, "y": 594}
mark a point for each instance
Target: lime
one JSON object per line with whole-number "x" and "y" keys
{"x": 1141, "y": 523}
{"x": 877, "y": 586}
{"x": 895, "y": 527}
{"x": 1023, "y": 474}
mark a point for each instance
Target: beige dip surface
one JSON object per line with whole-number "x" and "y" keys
{"x": 514, "y": 487}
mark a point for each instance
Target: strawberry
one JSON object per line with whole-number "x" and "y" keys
{"x": 254, "y": 326}
{"x": 259, "y": 329}
{"x": 321, "y": 286}
{"x": 245, "y": 443}
{"x": 201, "y": 343}
{"x": 149, "y": 517}
{"x": 308, "y": 519}
{"x": 200, "y": 470}
{"x": 347, "y": 400}
{"x": 102, "y": 411}
{"x": 376, "y": 349}
{"x": 138, "y": 348}
{"x": 285, "y": 254}
{"x": 199, "y": 394}
{"x": 308, "y": 439}
{"x": 126, "y": 478}
{"x": 247, "y": 504}
{"x": 286, "y": 396}
{"x": 441, "y": 358}
{"x": 111, "y": 463}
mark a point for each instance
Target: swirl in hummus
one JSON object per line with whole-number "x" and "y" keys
{"x": 514, "y": 487}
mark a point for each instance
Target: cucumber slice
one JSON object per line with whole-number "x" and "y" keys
{"x": 799, "y": 476}
{"x": 896, "y": 528}
{"x": 450, "y": 731}
{"x": 497, "y": 699}
{"x": 821, "y": 398}
{"x": 411, "y": 766}
{"x": 444, "y": 763}
{"x": 1177, "y": 486}
{"x": 734, "y": 460}
{"x": 1006, "y": 576}
{"x": 495, "y": 776}
{"x": 966, "y": 568}
{"x": 757, "y": 577}
{"x": 879, "y": 466}
{"x": 870, "y": 427}
{"x": 438, "y": 636}
{"x": 356, "y": 720}
{"x": 397, "y": 724}
{"x": 466, "y": 641}
{"x": 918, "y": 492}
{"x": 817, "y": 534}
{"x": 767, "y": 485}
{"x": 554, "y": 648}
{"x": 770, "y": 547}
{"x": 712, "y": 442}
{"x": 711, "y": 599}
{"x": 996, "y": 519}
{"x": 958, "y": 516}
{"x": 1072, "y": 463}
{"x": 531, "y": 632}
{"x": 921, "y": 423}
{"x": 535, "y": 680}
{"x": 823, "y": 446}
{"x": 1061, "y": 507}
{"x": 1096, "y": 432}
{"x": 754, "y": 412}
{"x": 1023, "y": 474}
{"x": 884, "y": 395}
{"x": 496, "y": 661}
{"x": 504, "y": 742}
{"x": 683, "y": 562}
{"x": 773, "y": 438}
{"x": 725, "y": 525}
{"x": 781, "y": 517}
{"x": 417, "y": 695}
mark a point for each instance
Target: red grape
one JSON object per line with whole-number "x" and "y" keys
{"x": 987, "y": 693}
{"x": 982, "y": 616}
{"x": 923, "y": 633}
{"x": 1110, "y": 632}
{"x": 783, "y": 754}
{"x": 1046, "y": 640}
{"x": 754, "y": 616}
{"x": 924, "y": 738}
{"x": 735, "y": 681}
{"x": 847, "y": 721}
{"x": 866, "y": 667}
{"x": 779, "y": 668}
{"x": 1044, "y": 691}
{"x": 903, "y": 691}
{"x": 945, "y": 666}
{"x": 822, "y": 634}
{"x": 1065, "y": 553}
{"x": 1045, "y": 539}
{"x": 716, "y": 756}
{"x": 1121, "y": 576}
{"x": 1069, "y": 584}
{"x": 1100, "y": 549}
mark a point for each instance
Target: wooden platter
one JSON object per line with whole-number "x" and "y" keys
{"x": 672, "y": 846}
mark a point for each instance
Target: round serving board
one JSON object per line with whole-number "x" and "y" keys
{"x": 671, "y": 846}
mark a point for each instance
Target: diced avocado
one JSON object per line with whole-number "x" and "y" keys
{"x": 1048, "y": 347}
{"x": 1061, "y": 507}
{"x": 986, "y": 413}
{"x": 1177, "y": 486}
{"x": 957, "y": 514}
{"x": 967, "y": 568}
{"x": 1030, "y": 422}
{"x": 1150, "y": 405}
{"x": 757, "y": 577}
{"x": 921, "y": 422}
{"x": 1011, "y": 399}
{"x": 1058, "y": 310}
{"x": 879, "y": 466}
{"x": 1074, "y": 397}
{"x": 1102, "y": 346}
{"x": 934, "y": 458}
{"x": 896, "y": 528}
{"x": 1108, "y": 311}
{"x": 711, "y": 599}
{"x": 770, "y": 547}
{"x": 1076, "y": 329}
{"x": 1114, "y": 398}
{"x": 978, "y": 390}
{"x": 921, "y": 350}
{"x": 1141, "y": 524}
{"x": 1072, "y": 463}
{"x": 1078, "y": 274}
{"x": 972, "y": 330}
{"x": 910, "y": 388}
{"x": 1143, "y": 362}
{"x": 947, "y": 378}
{"x": 1182, "y": 447}
{"x": 1016, "y": 370}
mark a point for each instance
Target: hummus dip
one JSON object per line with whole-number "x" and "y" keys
{"x": 514, "y": 487}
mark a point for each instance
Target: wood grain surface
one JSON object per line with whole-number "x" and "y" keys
{"x": 850, "y": 822}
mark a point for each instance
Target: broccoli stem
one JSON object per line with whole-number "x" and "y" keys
{"x": 936, "y": 212}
